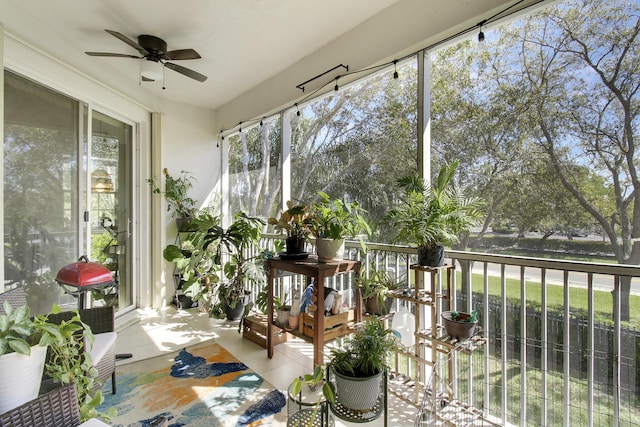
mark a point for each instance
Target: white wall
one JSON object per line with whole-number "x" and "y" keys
{"x": 189, "y": 144}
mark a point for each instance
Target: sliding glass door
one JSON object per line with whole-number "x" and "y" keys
{"x": 64, "y": 197}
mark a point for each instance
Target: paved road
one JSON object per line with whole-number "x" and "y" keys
{"x": 600, "y": 282}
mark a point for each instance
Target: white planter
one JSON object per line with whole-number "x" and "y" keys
{"x": 283, "y": 315}
{"x": 329, "y": 249}
{"x": 357, "y": 394}
{"x": 21, "y": 377}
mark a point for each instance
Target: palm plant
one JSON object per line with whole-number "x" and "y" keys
{"x": 430, "y": 216}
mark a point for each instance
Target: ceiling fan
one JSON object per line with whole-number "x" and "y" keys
{"x": 154, "y": 49}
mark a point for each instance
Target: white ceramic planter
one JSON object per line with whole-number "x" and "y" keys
{"x": 329, "y": 249}
{"x": 20, "y": 377}
{"x": 357, "y": 394}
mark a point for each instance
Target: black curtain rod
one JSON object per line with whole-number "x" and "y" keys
{"x": 301, "y": 85}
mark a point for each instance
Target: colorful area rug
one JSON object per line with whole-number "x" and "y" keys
{"x": 204, "y": 385}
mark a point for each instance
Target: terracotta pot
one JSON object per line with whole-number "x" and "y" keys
{"x": 377, "y": 307}
{"x": 293, "y": 321}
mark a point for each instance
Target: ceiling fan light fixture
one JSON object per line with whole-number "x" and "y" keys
{"x": 151, "y": 70}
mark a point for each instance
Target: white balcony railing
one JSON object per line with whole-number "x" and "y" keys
{"x": 557, "y": 352}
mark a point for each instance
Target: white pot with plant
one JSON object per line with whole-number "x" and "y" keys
{"x": 58, "y": 349}
{"x": 357, "y": 367}
{"x": 331, "y": 221}
{"x": 23, "y": 349}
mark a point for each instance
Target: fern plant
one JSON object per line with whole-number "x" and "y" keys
{"x": 433, "y": 215}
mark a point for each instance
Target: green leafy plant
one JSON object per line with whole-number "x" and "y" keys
{"x": 278, "y": 303}
{"x": 176, "y": 193}
{"x": 432, "y": 215}
{"x": 313, "y": 381}
{"x": 292, "y": 221}
{"x": 366, "y": 352}
{"x": 215, "y": 261}
{"x": 376, "y": 284}
{"x": 67, "y": 361}
{"x": 196, "y": 257}
{"x": 336, "y": 219}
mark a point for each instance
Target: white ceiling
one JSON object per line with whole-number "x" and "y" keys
{"x": 242, "y": 42}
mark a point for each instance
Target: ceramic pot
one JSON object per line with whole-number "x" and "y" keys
{"x": 357, "y": 394}
{"x": 294, "y": 245}
{"x": 431, "y": 257}
{"x": 459, "y": 328}
{"x": 329, "y": 249}
{"x": 235, "y": 312}
{"x": 21, "y": 377}
{"x": 283, "y": 314}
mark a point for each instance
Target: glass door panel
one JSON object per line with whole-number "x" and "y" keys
{"x": 41, "y": 189}
{"x": 110, "y": 206}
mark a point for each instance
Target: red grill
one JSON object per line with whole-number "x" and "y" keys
{"x": 82, "y": 276}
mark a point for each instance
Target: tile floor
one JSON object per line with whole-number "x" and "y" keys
{"x": 147, "y": 333}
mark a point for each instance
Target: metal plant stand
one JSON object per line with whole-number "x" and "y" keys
{"x": 307, "y": 408}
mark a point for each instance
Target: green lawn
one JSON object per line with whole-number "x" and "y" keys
{"x": 603, "y": 301}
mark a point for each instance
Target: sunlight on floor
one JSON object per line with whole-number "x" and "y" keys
{"x": 149, "y": 333}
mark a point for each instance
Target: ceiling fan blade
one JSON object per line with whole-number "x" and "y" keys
{"x": 183, "y": 54}
{"x": 128, "y": 41}
{"x": 116, "y": 55}
{"x": 186, "y": 71}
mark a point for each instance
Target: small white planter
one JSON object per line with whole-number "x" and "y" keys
{"x": 20, "y": 377}
{"x": 283, "y": 315}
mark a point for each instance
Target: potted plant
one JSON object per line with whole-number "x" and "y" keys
{"x": 198, "y": 262}
{"x": 280, "y": 306}
{"x": 292, "y": 224}
{"x": 30, "y": 346}
{"x": 307, "y": 393}
{"x": 358, "y": 366}
{"x": 374, "y": 287}
{"x": 232, "y": 249}
{"x": 459, "y": 325}
{"x": 330, "y": 221}
{"x": 181, "y": 206}
{"x": 431, "y": 216}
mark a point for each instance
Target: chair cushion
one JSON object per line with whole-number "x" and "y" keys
{"x": 102, "y": 343}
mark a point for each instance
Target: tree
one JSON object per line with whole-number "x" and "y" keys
{"x": 581, "y": 87}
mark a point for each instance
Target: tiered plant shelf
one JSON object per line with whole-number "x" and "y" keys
{"x": 427, "y": 386}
